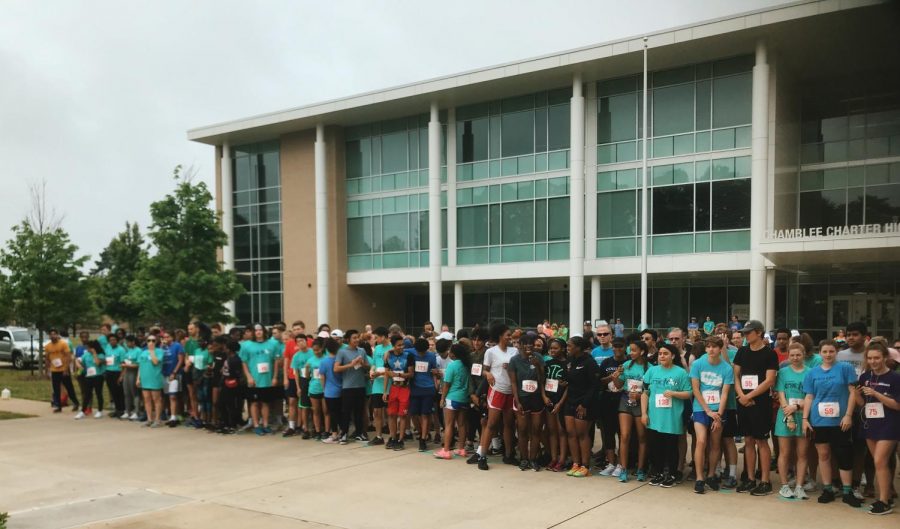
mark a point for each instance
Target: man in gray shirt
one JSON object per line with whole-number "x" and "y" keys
{"x": 353, "y": 364}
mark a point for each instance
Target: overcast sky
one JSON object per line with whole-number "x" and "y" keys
{"x": 96, "y": 96}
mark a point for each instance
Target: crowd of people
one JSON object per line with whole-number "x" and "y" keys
{"x": 534, "y": 398}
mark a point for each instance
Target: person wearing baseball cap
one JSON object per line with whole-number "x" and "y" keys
{"x": 755, "y": 370}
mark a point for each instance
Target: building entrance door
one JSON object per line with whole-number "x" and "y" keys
{"x": 878, "y": 312}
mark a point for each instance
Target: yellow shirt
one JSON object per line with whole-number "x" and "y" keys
{"x": 58, "y": 356}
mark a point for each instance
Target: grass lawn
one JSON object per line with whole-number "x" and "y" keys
{"x": 23, "y": 385}
{"x": 5, "y": 415}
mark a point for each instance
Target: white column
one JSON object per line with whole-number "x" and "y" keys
{"x": 595, "y": 299}
{"x": 770, "y": 299}
{"x": 227, "y": 188}
{"x": 645, "y": 202}
{"x": 576, "y": 209}
{"x": 758, "y": 181}
{"x": 322, "y": 305}
{"x": 434, "y": 218}
{"x": 590, "y": 172}
{"x": 457, "y": 306}
{"x": 451, "y": 186}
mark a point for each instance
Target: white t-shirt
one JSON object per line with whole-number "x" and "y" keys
{"x": 857, "y": 360}
{"x": 497, "y": 361}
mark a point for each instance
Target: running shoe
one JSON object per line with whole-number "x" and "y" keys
{"x": 423, "y": 445}
{"x": 524, "y": 464}
{"x": 713, "y": 483}
{"x": 582, "y": 472}
{"x": 330, "y": 440}
{"x": 363, "y": 438}
{"x": 535, "y": 466}
{"x": 482, "y": 463}
{"x": 79, "y": 416}
{"x": 656, "y": 479}
{"x": 443, "y": 454}
{"x": 437, "y": 439}
{"x": 619, "y": 471}
{"x": 267, "y": 430}
{"x": 729, "y": 482}
{"x": 879, "y": 507}
{"x": 641, "y": 475}
{"x": 810, "y": 486}
{"x": 290, "y": 432}
{"x": 608, "y": 470}
{"x": 573, "y": 470}
{"x": 98, "y": 414}
{"x": 800, "y": 493}
{"x": 389, "y": 445}
{"x": 124, "y": 417}
{"x": 745, "y": 486}
{"x": 75, "y": 407}
{"x": 668, "y": 482}
{"x": 623, "y": 477}
{"x": 133, "y": 417}
{"x": 475, "y": 458}
{"x": 851, "y": 500}
{"x": 763, "y": 489}
{"x": 343, "y": 440}
{"x": 678, "y": 475}
{"x": 399, "y": 445}
{"x": 510, "y": 460}
{"x": 827, "y": 496}
{"x": 461, "y": 452}
{"x": 155, "y": 424}
{"x": 858, "y": 494}
{"x": 259, "y": 430}
{"x": 699, "y": 487}
{"x": 786, "y": 491}
{"x": 378, "y": 441}
{"x": 305, "y": 435}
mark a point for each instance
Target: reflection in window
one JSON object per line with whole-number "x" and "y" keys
{"x": 673, "y": 209}
{"x": 730, "y": 204}
{"x": 823, "y": 208}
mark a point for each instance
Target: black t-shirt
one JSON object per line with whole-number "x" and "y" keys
{"x": 755, "y": 364}
{"x": 583, "y": 375}
{"x": 555, "y": 370}
{"x": 233, "y": 368}
{"x": 607, "y": 367}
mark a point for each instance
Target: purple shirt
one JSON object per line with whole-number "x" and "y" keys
{"x": 888, "y": 428}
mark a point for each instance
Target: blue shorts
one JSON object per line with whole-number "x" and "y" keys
{"x": 421, "y": 404}
{"x": 456, "y": 405}
{"x": 704, "y": 419}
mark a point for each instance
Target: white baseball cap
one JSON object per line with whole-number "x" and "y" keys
{"x": 445, "y": 336}
{"x": 324, "y": 334}
{"x": 337, "y": 333}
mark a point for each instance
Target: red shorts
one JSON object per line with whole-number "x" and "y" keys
{"x": 398, "y": 401}
{"x": 499, "y": 401}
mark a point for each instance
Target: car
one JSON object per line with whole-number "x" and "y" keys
{"x": 17, "y": 346}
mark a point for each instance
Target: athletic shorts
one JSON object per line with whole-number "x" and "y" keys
{"x": 304, "y": 394}
{"x": 832, "y": 435}
{"x": 532, "y": 403}
{"x": 570, "y": 410}
{"x": 188, "y": 377}
{"x": 499, "y": 401}
{"x": 264, "y": 394}
{"x": 291, "y": 391}
{"x": 456, "y": 405}
{"x": 316, "y": 397}
{"x": 398, "y": 401}
{"x": 180, "y": 378}
{"x": 421, "y": 404}
{"x": 633, "y": 410}
{"x": 704, "y": 419}
{"x": 755, "y": 421}
{"x": 376, "y": 401}
{"x": 729, "y": 424}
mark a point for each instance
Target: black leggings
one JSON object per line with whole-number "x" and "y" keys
{"x": 334, "y": 413}
{"x": 230, "y": 405}
{"x": 474, "y": 416}
{"x": 353, "y": 403}
{"x": 116, "y": 392}
{"x": 663, "y": 451}
{"x": 57, "y": 379}
{"x": 609, "y": 424}
{"x": 92, "y": 385}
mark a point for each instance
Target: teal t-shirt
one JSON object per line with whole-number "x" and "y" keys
{"x": 712, "y": 379}
{"x": 458, "y": 377}
{"x": 633, "y": 377}
{"x": 260, "y": 358}
{"x": 201, "y": 361}
{"x": 151, "y": 375}
{"x": 791, "y": 383}
{"x": 92, "y": 369}
{"x": 299, "y": 361}
{"x": 132, "y": 356}
{"x": 813, "y": 361}
{"x": 666, "y": 417}
{"x": 114, "y": 358}
{"x": 315, "y": 384}
{"x": 378, "y": 366}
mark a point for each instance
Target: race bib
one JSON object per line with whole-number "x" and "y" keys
{"x": 476, "y": 370}
{"x": 198, "y": 362}
{"x": 173, "y": 386}
{"x": 193, "y": 359}
{"x": 635, "y": 386}
{"x": 91, "y": 371}
{"x": 529, "y": 386}
{"x": 874, "y": 410}
{"x": 421, "y": 367}
{"x": 379, "y": 370}
{"x": 128, "y": 362}
{"x": 712, "y": 396}
{"x": 663, "y": 401}
{"x": 611, "y": 387}
{"x": 795, "y": 402}
{"x": 110, "y": 360}
{"x": 749, "y": 382}
{"x": 398, "y": 379}
{"x": 316, "y": 373}
{"x": 56, "y": 362}
{"x": 262, "y": 367}
{"x": 829, "y": 409}
{"x": 551, "y": 385}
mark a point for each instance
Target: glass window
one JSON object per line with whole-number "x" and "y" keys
{"x": 518, "y": 223}
{"x": 732, "y": 98}
{"x": 394, "y": 152}
{"x": 495, "y": 222}
{"x": 518, "y": 133}
{"x": 731, "y": 204}
{"x": 395, "y": 232}
{"x": 473, "y": 139}
{"x": 540, "y": 221}
{"x": 673, "y": 110}
{"x": 673, "y": 209}
{"x": 558, "y": 127}
{"x": 540, "y": 131}
{"x": 701, "y": 211}
{"x": 617, "y": 214}
{"x": 558, "y": 222}
{"x": 271, "y": 170}
{"x": 882, "y": 204}
{"x": 703, "y": 105}
{"x": 242, "y": 173}
{"x": 823, "y": 208}
{"x": 617, "y": 118}
{"x": 270, "y": 240}
{"x": 472, "y": 226}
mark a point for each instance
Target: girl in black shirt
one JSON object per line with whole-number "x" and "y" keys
{"x": 583, "y": 377}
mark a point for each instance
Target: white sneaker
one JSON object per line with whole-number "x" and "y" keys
{"x": 123, "y": 417}
{"x": 857, "y": 493}
{"x": 800, "y": 494}
{"x": 133, "y": 417}
{"x": 608, "y": 470}
{"x": 786, "y": 491}
{"x": 809, "y": 486}
{"x": 79, "y": 416}
{"x": 618, "y": 471}
{"x": 98, "y": 414}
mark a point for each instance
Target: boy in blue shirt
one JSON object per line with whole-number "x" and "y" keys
{"x": 422, "y": 368}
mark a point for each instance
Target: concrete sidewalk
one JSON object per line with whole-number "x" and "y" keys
{"x": 56, "y": 472}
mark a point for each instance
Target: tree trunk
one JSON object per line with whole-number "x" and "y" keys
{"x": 41, "y": 351}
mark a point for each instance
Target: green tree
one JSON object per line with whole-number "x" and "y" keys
{"x": 114, "y": 272}
{"x": 184, "y": 278}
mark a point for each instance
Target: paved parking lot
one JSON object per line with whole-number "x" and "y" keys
{"x": 56, "y": 472}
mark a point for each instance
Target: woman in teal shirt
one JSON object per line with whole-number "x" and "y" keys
{"x": 668, "y": 387}
{"x": 455, "y": 400}
{"x": 788, "y": 422}
{"x": 316, "y": 391}
{"x": 150, "y": 379}
{"x": 631, "y": 381}
{"x": 93, "y": 362}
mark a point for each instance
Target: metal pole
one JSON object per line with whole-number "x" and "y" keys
{"x": 31, "y": 355}
{"x": 644, "y": 201}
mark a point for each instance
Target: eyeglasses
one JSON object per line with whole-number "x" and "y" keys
{"x": 151, "y": 341}
{"x": 603, "y": 334}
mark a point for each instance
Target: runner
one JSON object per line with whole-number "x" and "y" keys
{"x": 261, "y": 362}
{"x": 396, "y": 391}
{"x": 828, "y": 412}
{"x": 789, "y": 422}
{"x": 292, "y": 372}
{"x": 231, "y": 394}
{"x": 631, "y": 386}
{"x": 455, "y": 400}
{"x": 583, "y": 376}
{"x": 478, "y": 414}
{"x": 115, "y": 356}
{"x": 151, "y": 381}
{"x": 526, "y": 377}
{"x": 298, "y": 383}
{"x": 201, "y": 377}
{"x": 555, "y": 391}
{"x": 499, "y": 398}
{"x": 711, "y": 381}
{"x": 58, "y": 357}
{"x": 173, "y": 366}
{"x": 192, "y": 374}
{"x": 331, "y": 383}
{"x": 608, "y": 411}
{"x": 93, "y": 363}
{"x": 82, "y": 348}
{"x": 352, "y": 364}
{"x": 667, "y": 388}
{"x": 422, "y": 370}
{"x": 377, "y": 373}
{"x": 651, "y": 338}
{"x": 316, "y": 391}
{"x": 129, "y": 378}
{"x": 880, "y": 393}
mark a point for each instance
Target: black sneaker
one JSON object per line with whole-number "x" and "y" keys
{"x": 306, "y": 435}
{"x": 699, "y": 487}
{"x": 378, "y": 441}
{"x": 473, "y": 459}
{"x": 423, "y": 445}
{"x": 408, "y": 436}
{"x": 851, "y": 500}
{"x": 535, "y": 466}
{"x": 59, "y": 410}
{"x": 678, "y": 475}
{"x": 399, "y": 445}
{"x": 668, "y": 482}
{"x": 713, "y": 483}
{"x": 482, "y": 463}
{"x": 827, "y": 496}
{"x": 437, "y": 439}
{"x": 524, "y": 464}
{"x": 763, "y": 489}
{"x": 343, "y": 440}
{"x": 656, "y": 479}
{"x": 363, "y": 438}
{"x": 879, "y": 507}
{"x": 510, "y": 460}
{"x": 290, "y": 432}
{"x": 745, "y": 486}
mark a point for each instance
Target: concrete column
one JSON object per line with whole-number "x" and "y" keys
{"x": 576, "y": 208}
{"x": 451, "y": 186}
{"x": 458, "y": 306}
{"x": 434, "y": 218}
{"x": 770, "y": 299}
{"x": 227, "y": 213}
{"x": 322, "y": 266}
{"x": 595, "y": 299}
{"x": 645, "y": 201}
{"x": 758, "y": 181}
{"x": 590, "y": 172}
